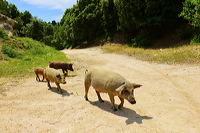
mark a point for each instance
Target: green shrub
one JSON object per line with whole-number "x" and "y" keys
{"x": 140, "y": 41}
{"x": 10, "y": 52}
{"x": 196, "y": 37}
{"x": 3, "y": 34}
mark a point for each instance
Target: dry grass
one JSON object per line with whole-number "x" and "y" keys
{"x": 189, "y": 54}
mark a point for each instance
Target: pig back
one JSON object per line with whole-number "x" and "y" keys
{"x": 56, "y": 64}
{"x": 106, "y": 80}
{"x": 50, "y": 74}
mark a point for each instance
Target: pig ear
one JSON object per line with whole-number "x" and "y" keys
{"x": 119, "y": 89}
{"x": 136, "y": 85}
{"x": 58, "y": 76}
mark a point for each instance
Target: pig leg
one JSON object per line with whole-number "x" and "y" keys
{"x": 48, "y": 84}
{"x": 87, "y": 86}
{"x": 37, "y": 77}
{"x": 122, "y": 103}
{"x": 99, "y": 97}
{"x": 112, "y": 102}
{"x": 58, "y": 87}
{"x": 65, "y": 71}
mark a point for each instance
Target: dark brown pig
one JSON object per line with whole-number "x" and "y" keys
{"x": 61, "y": 65}
{"x": 39, "y": 71}
{"x": 112, "y": 83}
{"x": 53, "y": 75}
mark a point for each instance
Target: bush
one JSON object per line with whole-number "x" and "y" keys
{"x": 196, "y": 37}
{"x": 140, "y": 41}
{"x": 3, "y": 34}
{"x": 10, "y": 52}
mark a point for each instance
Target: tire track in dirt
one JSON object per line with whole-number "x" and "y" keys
{"x": 179, "y": 89}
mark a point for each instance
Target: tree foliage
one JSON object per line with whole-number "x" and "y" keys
{"x": 139, "y": 20}
{"x": 4, "y": 9}
{"x": 191, "y": 12}
{"x": 110, "y": 18}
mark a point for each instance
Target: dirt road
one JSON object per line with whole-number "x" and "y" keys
{"x": 168, "y": 101}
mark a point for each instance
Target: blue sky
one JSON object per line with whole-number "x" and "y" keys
{"x": 47, "y": 10}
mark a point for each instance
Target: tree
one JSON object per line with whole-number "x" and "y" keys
{"x": 141, "y": 14}
{"x": 4, "y": 9}
{"x": 49, "y": 30}
{"x": 14, "y": 12}
{"x": 34, "y": 29}
{"x": 191, "y": 12}
{"x": 79, "y": 24}
{"x": 26, "y": 17}
{"x": 53, "y": 23}
{"x": 110, "y": 17}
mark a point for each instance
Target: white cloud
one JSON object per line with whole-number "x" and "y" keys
{"x": 52, "y": 4}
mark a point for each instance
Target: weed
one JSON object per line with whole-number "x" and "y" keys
{"x": 21, "y": 55}
{"x": 10, "y": 52}
{"x": 181, "y": 55}
{"x": 3, "y": 34}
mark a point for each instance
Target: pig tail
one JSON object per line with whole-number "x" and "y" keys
{"x": 86, "y": 71}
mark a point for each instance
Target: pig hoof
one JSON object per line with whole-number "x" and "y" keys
{"x": 119, "y": 107}
{"x": 114, "y": 109}
{"x": 86, "y": 99}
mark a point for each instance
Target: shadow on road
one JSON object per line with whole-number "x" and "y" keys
{"x": 64, "y": 92}
{"x": 71, "y": 75}
{"x": 131, "y": 115}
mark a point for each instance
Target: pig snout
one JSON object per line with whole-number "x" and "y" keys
{"x": 71, "y": 69}
{"x": 63, "y": 81}
{"x": 132, "y": 102}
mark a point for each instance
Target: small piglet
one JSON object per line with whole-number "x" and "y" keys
{"x": 39, "y": 71}
{"x": 61, "y": 65}
{"x": 53, "y": 75}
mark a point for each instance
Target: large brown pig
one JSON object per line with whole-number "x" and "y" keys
{"x": 61, "y": 65}
{"x": 54, "y": 75}
{"x": 111, "y": 83}
{"x": 39, "y": 71}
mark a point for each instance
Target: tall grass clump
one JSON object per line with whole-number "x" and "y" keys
{"x": 3, "y": 34}
{"x": 19, "y": 56}
{"x": 189, "y": 54}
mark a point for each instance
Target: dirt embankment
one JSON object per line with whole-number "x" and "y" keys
{"x": 168, "y": 101}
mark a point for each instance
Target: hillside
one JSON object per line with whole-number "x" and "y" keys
{"x": 18, "y": 56}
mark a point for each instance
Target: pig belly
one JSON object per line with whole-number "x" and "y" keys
{"x": 98, "y": 86}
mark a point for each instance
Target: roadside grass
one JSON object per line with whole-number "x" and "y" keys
{"x": 189, "y": 54}
{"x": 19, "y": 56}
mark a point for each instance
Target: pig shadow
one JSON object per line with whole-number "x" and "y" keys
{"x": 64, "y": 92}
{"x": 131, "y": 115}
{"x": 71, "y": 75}
{"x": 42, "y": 80}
